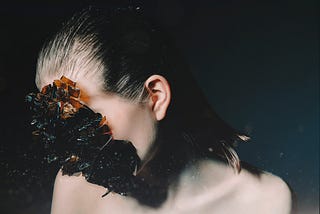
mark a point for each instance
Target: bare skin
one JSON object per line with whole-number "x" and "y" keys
{"x": 209, "y": 187}
{"x": 206, "y": 187}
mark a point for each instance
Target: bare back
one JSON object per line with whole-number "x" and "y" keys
{"x": 209, "y": 187}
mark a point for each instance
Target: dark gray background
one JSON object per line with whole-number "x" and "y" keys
{"x": 256, "y": 61}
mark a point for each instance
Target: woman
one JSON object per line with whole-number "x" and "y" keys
{"x": 131, "y": 73}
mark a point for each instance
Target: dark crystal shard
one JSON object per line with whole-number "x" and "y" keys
{"x": 78, "y": 139}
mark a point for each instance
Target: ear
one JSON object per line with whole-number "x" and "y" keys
{"x": 159, "y": 95}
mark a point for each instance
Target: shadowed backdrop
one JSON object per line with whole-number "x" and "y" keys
{"x": 256, "y": 61}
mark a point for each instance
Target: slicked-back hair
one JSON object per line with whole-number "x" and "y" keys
{"x": 119, "y": 50}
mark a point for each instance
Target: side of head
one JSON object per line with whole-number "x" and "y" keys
{"x": 139, "y": 81}
{"x": 115, "y": 60}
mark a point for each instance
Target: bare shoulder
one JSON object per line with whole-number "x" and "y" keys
{"x": 73, "y": 194}
{"x": 275, "y": 195}
{"x": 252, "y": 190}
{"x": 70, "y": 191}
{"x": 270, "y": 193}
{"x": 65, "y": 184}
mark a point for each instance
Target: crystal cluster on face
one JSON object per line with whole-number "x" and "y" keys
{"x": 79, "y": 139}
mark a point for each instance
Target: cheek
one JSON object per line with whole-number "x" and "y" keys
{"x": 116, "y": 115}
{"x": 128, "y": 122}
{"x": 137, "y": 127}
{"x": 123, "y": 122}
{"x": 120, "y": 125}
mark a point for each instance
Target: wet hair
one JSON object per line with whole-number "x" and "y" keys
{"x": 119, "y": 50}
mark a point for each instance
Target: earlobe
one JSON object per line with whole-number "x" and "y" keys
{"x": 159, "y": 95}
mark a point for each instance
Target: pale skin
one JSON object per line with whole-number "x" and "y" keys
{"x": 206, "y": 187}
